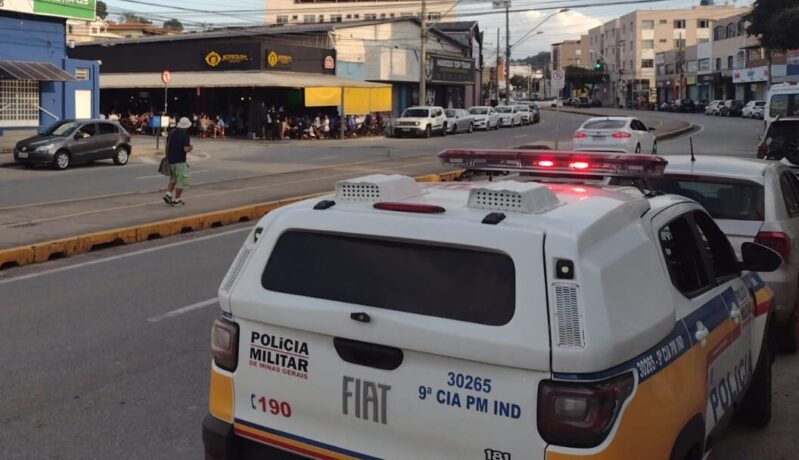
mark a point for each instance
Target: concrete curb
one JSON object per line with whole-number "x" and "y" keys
{"x": 661, "y": 137}
{"x": 56, "y": 249}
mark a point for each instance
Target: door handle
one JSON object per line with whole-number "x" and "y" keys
{"x": 701, "y": 333}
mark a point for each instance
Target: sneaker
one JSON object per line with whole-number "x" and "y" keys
{"x": 168, "y": 199}
{"x": 177, "y": 202}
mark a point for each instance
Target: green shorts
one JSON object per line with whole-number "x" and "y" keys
{"x": 179, "y": 174}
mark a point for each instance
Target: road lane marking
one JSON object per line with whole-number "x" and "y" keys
{"x": 182, "y": 310}
{"x": 122, "y": 256}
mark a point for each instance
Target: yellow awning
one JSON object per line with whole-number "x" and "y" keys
{"x": 357, "y": 101}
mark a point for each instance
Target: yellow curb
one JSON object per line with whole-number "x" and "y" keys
{"x": 48, "y": 250}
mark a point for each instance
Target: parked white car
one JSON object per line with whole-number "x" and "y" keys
{"x": 422, "y": 121}
{"x": 527, "y": 115}
{"x": 751, "y": 201}
{"x": 713, "y": 107}
{"x": 509, "y": 116}
{"x": 459, "y": 120}
{"x": 551, "y": 103}
{"x": 485, "y": 117}
{"x": 615, "y": 134}
{"x": 754, "y": 110}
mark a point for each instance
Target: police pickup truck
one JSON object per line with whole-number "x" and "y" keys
{"x": 490, "y": 319}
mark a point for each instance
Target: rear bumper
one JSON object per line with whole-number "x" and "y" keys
{"x": 221, "y": 443}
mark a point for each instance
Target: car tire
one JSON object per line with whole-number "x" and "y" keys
{"x": 444, "y": 130}
{"x": 655, "y": 148}
{"x": 428, "y": 132}
{"x": 61, "y": 160}
{"x": 471, "y": 128}
{"x": 121, "y": 156}
{"x": 455, "y": 128}
{"x": 755, "y": 409}
{"x": 637, "y": 148}
{"x": 788, "y": 334}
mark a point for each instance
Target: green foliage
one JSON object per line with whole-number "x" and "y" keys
{"x": 775, "y": 23}
{"x": 174, "y": 25}
{"x": 101, "y": 10}
{"x": 518, "y": 81}
{"x": 133, "y": 18}
{"x": 583, "y": 79}
{"x": 539, "y": 61}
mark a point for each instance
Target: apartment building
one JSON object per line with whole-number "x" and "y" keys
{"x": 627, "y": 45}
{"x": 571, "y": 53}
{"x": 311, "y": 11}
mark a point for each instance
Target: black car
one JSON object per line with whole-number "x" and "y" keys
{"x": 687, "y": 106}
{"x": 701, "y": 104}
{"x": 736, "y": 109}
{"x": 781, "y": 141}
{"x": 69, "y": 142}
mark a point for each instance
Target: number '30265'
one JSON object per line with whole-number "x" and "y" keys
{"x": 468, "y": 382}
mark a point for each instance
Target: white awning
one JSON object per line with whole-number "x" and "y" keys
{"x": 231, "y": 79}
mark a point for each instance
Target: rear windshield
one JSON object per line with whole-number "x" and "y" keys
{"x": 605, "y": 124}
{"x": 478, "y": 110}
{"x": 784, "y": 105}
{"x": 450, "y": 113}
{"x": 415, "y": 113}
{"x": 504, "y": 109}
{"x": 456, "y": 283}
{"x": 723, "y": 199}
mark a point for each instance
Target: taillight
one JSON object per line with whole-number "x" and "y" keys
{"x": 225, "y": 344}
{"x": 777, "y": 241}
{"x": 579, "y": 165}
{"x": 545, "y": 163}
{"x": 581, "y": 414}
{"x": 409, "y": 207}
{"x": 579, "y": 135}
{"x": 621, "y": 135}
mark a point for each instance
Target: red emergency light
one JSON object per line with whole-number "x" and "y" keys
{"x": 606, "y": 164}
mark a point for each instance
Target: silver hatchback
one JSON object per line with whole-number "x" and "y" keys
{"x": 750, "y": 200}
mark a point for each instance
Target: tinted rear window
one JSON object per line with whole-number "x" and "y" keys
{"x": 463, "y": 284}
{"x": 415, "y": 113}
{"x": 785, "y": 105}
{"x": 605, "y": 124}
{"x": 723, "y": 198}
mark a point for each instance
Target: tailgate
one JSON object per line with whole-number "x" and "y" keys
{"x": 393, "y": 347}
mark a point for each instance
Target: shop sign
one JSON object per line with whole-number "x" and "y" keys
{"x": 447, "y": 69}
{"x": 690, "y": 80}
{"x": 330, "y": 63}
{"x": 750, "y": 75}
{"x": 709, "y": 78}
{"x": 77, "y": 9}
{"x": 298, "y": 59}
{"x": 793, "y": 65}
{"x": 227, "y": 58}
{"x": 279, "y": 60}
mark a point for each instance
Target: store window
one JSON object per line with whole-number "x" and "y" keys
{"x": 19, "y": 101}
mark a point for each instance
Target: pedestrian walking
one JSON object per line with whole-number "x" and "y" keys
{"x": 178, "y": 145}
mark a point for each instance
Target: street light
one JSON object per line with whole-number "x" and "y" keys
{"x": 508, "y": 46}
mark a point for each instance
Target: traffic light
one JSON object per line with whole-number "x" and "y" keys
{"x": 599, "y": 66}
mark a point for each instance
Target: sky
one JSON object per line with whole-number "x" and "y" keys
{"x": 562, "y": 26}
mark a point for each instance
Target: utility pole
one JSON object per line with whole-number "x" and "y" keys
{"x": 507, "y": 51}
{"x": 423, "y": 58}
{"x": 496, "y": 70}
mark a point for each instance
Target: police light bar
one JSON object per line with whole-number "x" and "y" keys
{"x": 558, "y": 162}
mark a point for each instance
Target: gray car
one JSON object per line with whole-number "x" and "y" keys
{"x": 750, "y": 200}
{"x": 70, "y": 142}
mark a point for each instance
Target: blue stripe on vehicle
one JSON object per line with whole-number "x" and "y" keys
{"x": 712, "y": 314}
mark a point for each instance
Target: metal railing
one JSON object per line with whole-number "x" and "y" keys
{"x": 48, "y": 113}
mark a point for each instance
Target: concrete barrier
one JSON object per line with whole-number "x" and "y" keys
{"x": 56, "y": 249}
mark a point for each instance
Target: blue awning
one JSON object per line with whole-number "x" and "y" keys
{"x": 38, "y": 71}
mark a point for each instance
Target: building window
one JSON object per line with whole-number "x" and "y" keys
{"x": 731, "y": 30}
{"x": 647, "y": 44}
{"x": 406, "y": 15}
{"x": 703, "y": 40}
{"x": 69, "y": 29}
{"x": 369, "y": 16}
{"x": 356, "y": 16}
{"x": 741, "y": 28}
{"x": 647, "y": 25}
{"x": 718, "y": 33}
{"x": 321, "y": 18}
{"x": 82, "y": 73}
{"x": 434, "y": 16}
{"x": 282, "y": 19}
{"x": 663, "y": 21}
{"x": 704, "y": 65}
{"x": 647, "y": 63}
{"x": 718, "y": 64}
{"x": 335, "y": 18}
{"x": 294, "y": 18}
{"x": 679, "y": 43}
{"x": 702, "y": 23}
{"x": 20, "y": 102}
{"x": 391, "y": 15}
{"x": 309, "y": 19}
{"x": 729, "y": 62}
{"x": 662, "y": 40}
{"x": 382, "y": 15}
{"x": 679, "y": 23}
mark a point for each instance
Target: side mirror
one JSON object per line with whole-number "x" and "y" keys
{"x": 759, "y": 258}
{"x": 651, "y": 129}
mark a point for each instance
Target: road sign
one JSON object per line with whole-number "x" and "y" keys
{"x": 558, "y": 80}
{"x": 166, "y": 77}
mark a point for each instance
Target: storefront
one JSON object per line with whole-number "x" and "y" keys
{"x": 447, "y": 80}
{"x": 39, "y": 85}
{"x": 704, "y": 86}
{"x": 751, "y": 83}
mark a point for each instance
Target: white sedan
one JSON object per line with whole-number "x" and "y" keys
{"x": 615, "y": 134}
{"x": 753, "y": 109}
{"x": 509, "y": 116}
{"x": 459, "y": 120}
{"x": 485, "y": 117}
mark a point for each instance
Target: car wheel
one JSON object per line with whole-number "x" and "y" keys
{"x": 755, "y": 409}
{"x": 655, "y": 148}
{"x": 788, "y": 334}
{"x": 428, "y": 132}
{"x": 455, "y": 128}
{"x": 444, "y": 130}
{"x": 61, "y": 160}
{"x": 121, "y": 156}
{"x": 638, "y": 148}
{"x": 471, "y": 128}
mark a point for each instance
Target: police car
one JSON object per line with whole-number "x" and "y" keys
{"x": 490, "y": 319}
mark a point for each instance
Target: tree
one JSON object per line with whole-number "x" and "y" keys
{"x": 539, "y": 61}
{"x": 133, "y": 18}
{"x": 518, "y": 82}
{"x": 173, "y": 25}
{"x": 102, "y": 10}
{"x": 775, "y": 23}
{"x": 583, "y": 79}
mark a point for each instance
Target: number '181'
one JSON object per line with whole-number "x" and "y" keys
{"x": 492, "y": 454}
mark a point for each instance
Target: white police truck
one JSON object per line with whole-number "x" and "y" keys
{"x": 521, "y": 318}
